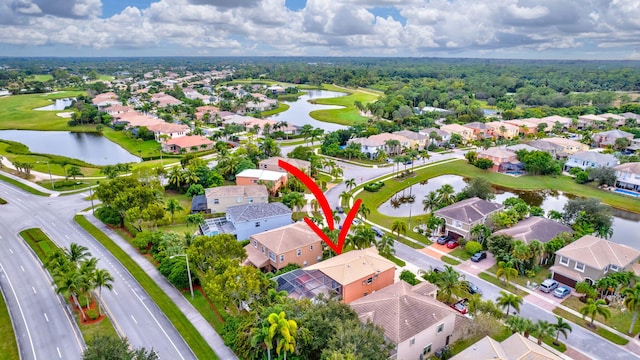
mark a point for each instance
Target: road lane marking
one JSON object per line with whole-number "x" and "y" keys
{"x": 114, "y": 291}
{"x": 59, "y": 354}
{"x": 134, "y": 319}
{"x": 33, "y": 350}
{"x": 46, "y": 317}
{"x": 11, "y": 251}
{"x": 34, "y": 290}
{"x": 67, "y": 236}
{"x": 54, "y": 224}
{"x": 21, "y": 268}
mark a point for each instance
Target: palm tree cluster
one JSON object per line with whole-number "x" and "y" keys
{"x": 540, "y": 329}
{"x": 75, "y": 274}
{"x": 440, "y": 198}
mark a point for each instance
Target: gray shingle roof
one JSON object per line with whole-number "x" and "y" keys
{"x": 595, "y": 157}
{"x": 535, "y": 228}
{"x": 255, "y": 211}
{"x": 469, "y": 210}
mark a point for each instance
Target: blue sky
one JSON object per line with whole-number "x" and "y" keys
{"x": 529, "y": 29}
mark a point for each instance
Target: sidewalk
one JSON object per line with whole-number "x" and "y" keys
{"x": 208, "y": 333}
{"x": 29, "y": 183}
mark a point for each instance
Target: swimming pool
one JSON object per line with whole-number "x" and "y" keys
{"x": 627, "y": 192}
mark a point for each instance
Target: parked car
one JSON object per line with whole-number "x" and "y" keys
{"x": 438, "y": 269}
{"x": 561, "y": 292}
{"x": 452, "y": 244}
{"x": 474, "y": 289}
{"x": 356, "y": 221}
{"x": 379, "y": 233}
{"x": 339, "y": 209}
{"x": 548, "y": 285}
{"x": 443, "y": 239}
{"x": 479, "y": 256}
{"x": 460, "y": 306}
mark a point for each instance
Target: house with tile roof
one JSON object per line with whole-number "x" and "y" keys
{"x": 272, "y": 164}
{"x": 590, "y": 159}
{"x": 273, "y": 179}
{"x": 515, "y": 346}
{"x": 290, "y": 244}
{"x": 413, "y": 320}
{"x": 553, "y": 120}
{"x": 591, "y": 258}
{"x": 359, "y": 272}
{"x": 164, "y": 100}
{"x": 525, "y": 127}
{"x": 220, "y": 198}
{"x": 465, "y": 133}
{"x": 170, "y": 130}
{"x": 535, "y": 228}
{"x": 480, "y": 130}
{"x": 463, "y": 215}
{"x": 503, "y": 159}
{"x": 554, "y": 149}
{"x": 187, "y": 144}
{"x": 568, "y": 146}
{"x": 416, "y": 140}
{"x": 436, "y": 136}
{"x": 591, "y": 121}
{"x": 614, "y": 119}
{"x": 253, "y": 218}
{"x": 628, "y": 176}
{"x": 503, "y": 130}
{"x": 608, "y": 138}
{"x": 373, "y": 143}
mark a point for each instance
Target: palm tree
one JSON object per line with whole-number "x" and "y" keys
{"x": 480, "y": 232}
{"x": 76, "y": 253}
{"x": 283, "y": 331}
{"x": 316, "y": 134}
{"x": 431, "y": 201}
{"x": 386, "y": 246}
{"x": 399, "y": 227}
{"x": 506, "y": 271}
{"x": 537, "y": 250}
{"x": 392, "y": 146}
{"x": 344, "y": 198}
{"x": 434, "y": 223}
{"x": 305, "y": 131}
{"x": 102, "y": 278}
{"x": 381, "y": 155}
{"x": 561, "y": 326}
{"x": 632, "y": 302}
{"x": 176, "y": 177}
{"x": 508, "y": 300}
{"x": 594, "y": 308}
{"x": 69, "y": 284}
{"x": 521, "y": 252}
{"x": 554, "y": 215}
{"x": 363, "y": 211}
{"x": 541, "y": 329}
{"x": 446, "y": 195}
{"x": 173, "y": 206}
{"x": 351, "y": 183}
{"x": 315, "y": 205}
{"x": 363, "y": 237}
{"x": 297, "y": 201}
{"x": 451, "y": 283}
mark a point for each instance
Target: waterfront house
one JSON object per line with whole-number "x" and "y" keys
{"x": 589, "y": 159}
{"x": 187, "y": 144}
{"x": 250, "y": 219}
{"x": 608, "y": 138}
{"x": 628, "y": 176}
{"x": 503, "y": 159}
{"x": 535, "y": 228}
{"x": 463, "y": 215}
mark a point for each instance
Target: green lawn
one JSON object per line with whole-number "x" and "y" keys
{"x": 616, "y": 339}
{"x": 348, "y": 115}
{"x": 205, "y": 308}
{"x": 620, "y": 317}
{"x": 138, "y": 148}
{"x": 495, "y": 281}
{"x": 41, "y": 78}
{"x": 460, "y": 253}
{"x": 281, "y": 107}
{"x": 196, "y": 342}
{"x": 16, "y": 112}
{"x": 449, "y": 260}
{"x": 22, "y": 186}
{"x": 540, "y": 276}
{"x": 8, "y": 345}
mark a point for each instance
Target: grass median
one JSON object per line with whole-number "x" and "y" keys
{"x": 196, "y": 342}
{"x": 22, "y": 186}
{"x": 614, "y": 338}
{"x": 8, "y": 345}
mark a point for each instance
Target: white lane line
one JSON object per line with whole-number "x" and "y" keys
{"x": 46, "y": 317}
{"x": 34, "y": 290}
{"x": 134, "y": 319}
{"x": 54, "y": 224}
{"x": 33, "y": 350}
{"x": 114, "y": 291}
{"x": 11, "y": 251}
{"x": 67, "y": 236}
{"x": 59, "y": 354}
{"x": 21, "y": 268}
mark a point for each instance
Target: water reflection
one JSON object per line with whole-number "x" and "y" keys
{"x": 298, "y": 112}
{"x": 59, "y": 104}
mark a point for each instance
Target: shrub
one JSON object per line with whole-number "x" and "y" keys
{"x": 374, "y": 187}
{"x": 2, "y": 201}
{"x": 195, "y": 189}
{"x": 473, "y": 247}
{"x": 92, "y": 314}
{"x": 483, "y": 164}
{"x": 575, "y": 171}
{"x": 409, "y": 277}
{"x": 109, "y": 216}
{"x": 582, "y": 177}
{"x": 141, "y": 243}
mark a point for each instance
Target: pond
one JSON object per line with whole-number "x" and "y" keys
{"x": 92, "y": 148}
{"x": 59, "y": 104}
{"x": 298, "y": 112}
{"x": 625, "y": 223}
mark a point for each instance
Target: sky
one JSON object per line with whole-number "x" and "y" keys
{"x": 521, "y": 29}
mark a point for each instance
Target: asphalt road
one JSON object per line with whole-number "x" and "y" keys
{"x": 133, "y": 313}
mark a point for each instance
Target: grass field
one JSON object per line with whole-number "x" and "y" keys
{"x": 281, "y": 107}
{"x": 348, "y": 115}
{"x": 16, "y": 112}
{"x": 196, "y": 342}
{"x": 8, "y": 345}
{"x": 41, "y": 78}
{"x": 614, "y": 338}
{"x": 620, "y": 317}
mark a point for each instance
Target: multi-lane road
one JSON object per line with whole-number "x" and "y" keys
{"x": 42, "y": 325}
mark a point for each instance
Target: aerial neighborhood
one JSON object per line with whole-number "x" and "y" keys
{"x": 468, "y": 225}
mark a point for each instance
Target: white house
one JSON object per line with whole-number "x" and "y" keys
{"x": 590, "y": 159}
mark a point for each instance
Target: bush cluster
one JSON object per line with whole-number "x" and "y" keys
{"x": 374, "y": 187}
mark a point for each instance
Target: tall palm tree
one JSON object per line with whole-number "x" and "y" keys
{"x": 561, "y": 326}
{"x": 364, "y": 211}
{"x": 506, "y": 271}
{"x": 316, "y": 134}
{"x": 451, "y": 283}
{"x": 399, "y": 227}
{"x": 543, "y": 329}
{"x": 632, "y": 302}
{"x": 102, "y": 278}
{"x": 508, "y": 300}
{"x": 305, "y": 131}
{"x": 283, "y": 331}
{"x": 298, "y": 202}
{"x": 520, "y": 251}
{"x": 176, "y": 177}
{"x": 434, "y": 223}
{"x": 431, "y": 201}
{"x": 70, "y": 284}
{"x": 446, "y": 195}
{"x": 351, "y": 183}
{"x": 480, "y": 232}
{"x": 344, "y": 198}
{"x": 76, "y": 253}
{"x": 173, "y": 206}
{"x": 537, "y": 250}
{"x": 363, "y": 237}
{"x": 594, "y": 308}
{"x": 386, "y": 245}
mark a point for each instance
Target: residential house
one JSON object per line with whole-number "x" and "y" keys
{"x": 463, "y": 215}
{"x": 290, "y": 244}
{"x": 608, "y": 138}
{"x": 374, "y": 143}
{"x": 272, "y": 164}
{"x": 535, "y": 228}
{"x": 525, "y": 127}
{"x": 589, "y": 159}
{"x": 480, "y": 130}
{"x": 436, "y": 136}
{"x": 169, "y": 130}
{"x": 465, "y": 133}
{"x": 416, "y": 140}
{"x": 430, "y": 109}
{"x": 201, "y": 111}
{"x": 250, "y": 219}
{"x": 568, "y": 146}
{"x": 274, "y": 179}
{"x": 631, "y": 116}
{"x": 187, "y": 144}
{"x": 554, "y": 120}
{"x": 219, "y": 199}
{"x": 548, "y": 124}
{"x": 105, "y": 100}
{"x": 591, "y": 121}
{"x": 413, "y": 320}
{"x": 614, "y": 119}
{"x": 628, "y": 176}
{"x": 590, "y": 259}
{"x": 515, "y": 346}
{"x": 503, "y": 130}
{"x": 117, "y": 109}
{"x": 164, "y": 100}
{"x": 554, "y": 149}
{"x": 517, "y": 147}
{"x": 359, "y": 272}
{"x": 503, "y": 159}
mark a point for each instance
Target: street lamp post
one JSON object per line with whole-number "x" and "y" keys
{"x": 188, "y": 271}
{"x": 50, "y": 177}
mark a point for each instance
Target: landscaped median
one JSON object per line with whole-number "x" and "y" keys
{"x": 196, "y": 342}
{"x": 8, "y": 345}
{"x": 22, "y": 186}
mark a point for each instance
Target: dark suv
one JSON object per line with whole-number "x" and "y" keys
{"x": 444, "y": 239}
{"x": 479, "y": 256}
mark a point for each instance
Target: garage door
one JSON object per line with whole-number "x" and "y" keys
{"x": 563, "y": 279}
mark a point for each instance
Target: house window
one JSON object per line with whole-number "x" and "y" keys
{"x": 299, "y": 252}
{"x": 412, "y": 341}
{"x": 311, "y": 247}
{"x": 282, "y": 258}
{"x": 564, "y": 261}
{"x": 579, "y": 266}
{"x": 239, "y": 199}
{"x": 426, "y": 349}
{"x": 613, "y": 267}
{"x": 250, "y": 200}
{"x": 440, "y": 328}
{"x": 369, "y": 281}
{"x": 272, "y": 256}
{"x": 216, "y": 201}
{"x": 264, "y": 166}
{"x": 257, "y": 223}
{"x": 255, "y": 244}
{"x": 263, "y": 249}
{"x": 255, "y": 181}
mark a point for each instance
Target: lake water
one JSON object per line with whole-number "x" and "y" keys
{"x": 298, "y": 112}
{"x": 59, "y": 104}
{"x": 625, "y": 223}
{"x": 92, "y": 148}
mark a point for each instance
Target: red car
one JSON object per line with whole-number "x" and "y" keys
{"x": 452, "y": 244}
{"x": 460, "y": 306}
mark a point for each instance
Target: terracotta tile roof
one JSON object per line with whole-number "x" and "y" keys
{"x": 551, "y": 120}
{"x": 535, "y": 228}
{"x": 515, "y": 347}
{"x": 237, "y": 190}
{"x": 353, "y": 265}
{"x": 189, "y": 141}
{"x": 497, "y": 152}
{"x": 598, "y": 253}
{"x": 287, "y": 238}
{"x": 167, "y": 128}
{"x": 300, "y": 164}
{"x": 403, "y": 311}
